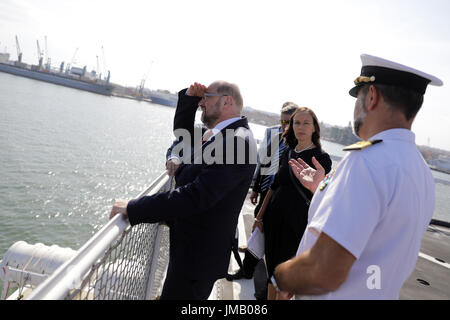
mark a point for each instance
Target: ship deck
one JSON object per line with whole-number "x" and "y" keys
{"x": 429, "y": 280}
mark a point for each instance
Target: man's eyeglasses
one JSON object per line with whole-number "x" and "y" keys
{"x": 284, "y": 122}
{"x": 206, "y": 95}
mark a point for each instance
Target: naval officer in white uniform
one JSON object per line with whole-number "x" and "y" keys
{"x": 367, "y": 218}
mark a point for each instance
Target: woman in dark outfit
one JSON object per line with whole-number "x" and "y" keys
{"x": 284, "y": 213}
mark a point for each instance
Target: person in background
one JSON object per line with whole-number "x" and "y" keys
{"x": 173, "y": 162}
{"x": 368, "y": 217}
{"x": 284, "y": 213}
{"x": 202, "y": 211}
{"x": 264, "y": 178}
{"x": 268, "y": 164}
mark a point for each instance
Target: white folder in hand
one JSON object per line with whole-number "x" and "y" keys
{"x": 256, "y": 243}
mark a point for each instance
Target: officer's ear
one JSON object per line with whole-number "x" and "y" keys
{"x": 373, "y": 97}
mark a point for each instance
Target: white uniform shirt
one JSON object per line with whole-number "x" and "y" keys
{"x": 377, "y": 205}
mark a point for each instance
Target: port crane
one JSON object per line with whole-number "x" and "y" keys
{"x": 108, "y": 74}
{"x": 104, "y": 60}
{"x": 40, "y": 55}
{"x": 69, "y": 65}
{"x": 19, "y": 52}
{"x": 48, "y": 64}
{"x": 98, "y": 70}
{"x": 140, "y": 88}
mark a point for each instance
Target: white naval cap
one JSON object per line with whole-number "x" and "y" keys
{"x": 378, "y": 70}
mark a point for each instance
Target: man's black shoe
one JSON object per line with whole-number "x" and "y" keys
{"x": 237, "y": 276}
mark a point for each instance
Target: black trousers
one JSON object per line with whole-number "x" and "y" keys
{"x": 249, "y": 264}
{"x": 235, "y": 250}
{"x": 179, "y": 288}
{"x": 252, "y": 264}
{"x": 260, "y": 202}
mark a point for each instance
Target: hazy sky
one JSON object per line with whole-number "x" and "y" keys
{"x": 276, "y": 51}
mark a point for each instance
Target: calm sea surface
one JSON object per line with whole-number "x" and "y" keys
{"x": 66, "y": 154}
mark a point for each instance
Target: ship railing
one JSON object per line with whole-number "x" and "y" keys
{"x": 119, "y": 262}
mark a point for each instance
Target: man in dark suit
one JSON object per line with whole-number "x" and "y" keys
{"x": 211, "y": 185}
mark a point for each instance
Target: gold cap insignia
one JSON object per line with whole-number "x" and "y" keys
{"x": 364, "y": 79}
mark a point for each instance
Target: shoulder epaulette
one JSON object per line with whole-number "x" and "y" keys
{"x": 361, "y": 145}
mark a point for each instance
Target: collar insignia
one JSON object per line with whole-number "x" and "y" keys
{"x": 361, "y": 145}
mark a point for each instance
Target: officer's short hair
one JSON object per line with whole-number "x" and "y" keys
{"x": 405, "y": 100}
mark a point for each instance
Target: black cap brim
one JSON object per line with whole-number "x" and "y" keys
{"x": 354, "y": 91}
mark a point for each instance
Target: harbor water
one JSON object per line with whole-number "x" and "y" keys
{"x": 66, "y": 155}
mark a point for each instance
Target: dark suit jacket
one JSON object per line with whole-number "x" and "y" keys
{"x": 203, "y": 210}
